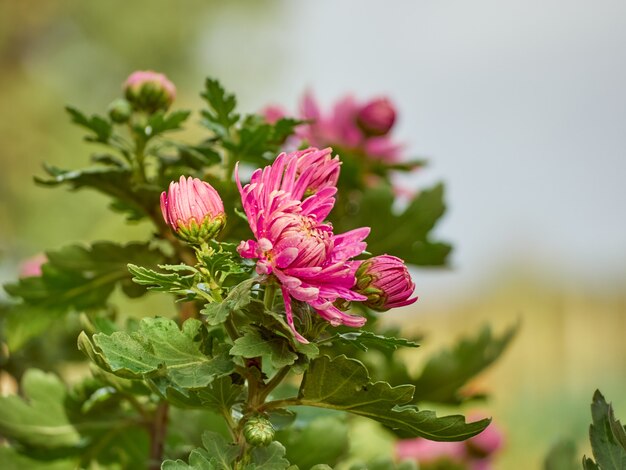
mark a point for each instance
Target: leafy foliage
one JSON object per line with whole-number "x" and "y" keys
{"x": 160, "y": 351}
{"x": 448, "y": 371}
{"x": 562, "y": 456}
{"x": 99, "y": 127}
{"x": 363, "y": 339}
{"x": 607, "y": 435}
{"x": 344, "y": 384}
{"x": 74, "y": 278}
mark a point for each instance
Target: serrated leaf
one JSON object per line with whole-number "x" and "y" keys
{"x": 344, "y": 384}
{"x": 449, "y": 370}
{"x": 172, "y": 283}
{"x": 253, "y": 344}
{"x": 160, "y": 122}
{"x": 361, "y": 339}
{"x": 198, "y": 156}
{"x": 562, "y": 456}
{"x": 239, "y": 297}
{"x": 589, "y": 464}
{"x": 99, "y": 126}
{"x": 220, "y": 116}
{"x": 221, "y": 395}
{"x": 271, "y": 457}
{"x": 216, "y": 454}
{"x": 608, "y": 450}
{"x": 158, "y": 350}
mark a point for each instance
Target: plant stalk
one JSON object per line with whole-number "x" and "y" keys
{"x": 158, "y": 431}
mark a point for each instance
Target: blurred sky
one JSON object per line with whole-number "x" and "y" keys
{"x": 520, "y": 106}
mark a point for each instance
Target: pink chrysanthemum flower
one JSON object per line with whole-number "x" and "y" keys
{"x": 149, "y": 91}
{"x": 293, "y": 243}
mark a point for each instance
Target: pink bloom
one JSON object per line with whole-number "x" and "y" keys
{"x": 293, "y": 243}
{"x": 386, "y": 282}
{"x": 352, "y": 126}
{"x": 32, "y": 266}
{"x": 273, "y": 113}
{"x": 193, "y": 209}
{"x": 377, "y": 117}
{"x": 149, "y": 91}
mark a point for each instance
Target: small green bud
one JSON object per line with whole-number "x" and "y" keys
{"x": 120, "y": 111}
{"x": 258, "y": 431}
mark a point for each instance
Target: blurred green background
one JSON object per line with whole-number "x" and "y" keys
{"x": 521, "y": 108}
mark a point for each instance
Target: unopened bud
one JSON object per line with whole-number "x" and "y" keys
{"x": 193, "y": 209}
{"x": 386, "y": 282}
{"x": 149, "y": 91}
{"x": 120, "y": 111}
{"x": 377, "y": 117}
{"x": 258, "y": 431}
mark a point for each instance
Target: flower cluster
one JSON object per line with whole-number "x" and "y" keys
{"x": 293, "y": 243}
{"x": 350, "y": 125}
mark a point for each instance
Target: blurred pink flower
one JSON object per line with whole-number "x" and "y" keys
{"x": 386, "y": 282}
{"x": 31, "y": 267}
{"x": 350, "y": 125}
{"x": 292, "y": 242}
{"x": 273, "y": 113}
{"x": 475, "y": 453}
{"x": 193, "y": 209}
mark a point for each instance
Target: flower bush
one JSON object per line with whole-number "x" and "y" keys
{"x": 269, "y": 288}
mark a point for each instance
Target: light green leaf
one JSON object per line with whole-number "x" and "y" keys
{"x": 268, "y": 458}
{"x": 221, "y": 395}
{"x": 361, "y": 340}
{"x": 253, "y": 344}
{"x": 344, "y": 384}
{"x": 13, "y": 460}
{"x": 239, "y": 297}
{"x": 172, "y": 283}
{"x": 217, "y": 454}
{"x": 158, "y": 350}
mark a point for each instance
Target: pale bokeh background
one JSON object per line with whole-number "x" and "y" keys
{"x": 520, "y": 106}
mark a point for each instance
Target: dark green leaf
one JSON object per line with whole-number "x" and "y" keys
{"x": 344, "y": 384}
{"x": 221, "y": 395}
{"x": 172, "y": 283}
{"x": 448, "y": 371}
{"x": 562, "y": 456}
{"x": 217, "y": 454}
{"x": 160, "y": 122}
{"x": 608, "y": 448}
{"x": 100, "y": 127}
{"x": 589, "y": 464}
{"x": 158, "y": 350}
{"x": 239, "y": 297}
{"x": 220, "y": 116}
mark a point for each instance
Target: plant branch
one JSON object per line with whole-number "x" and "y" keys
{"x": 158, "y": 430}
{"x": 274, "y": 382}
{"x": 270, "y": 405}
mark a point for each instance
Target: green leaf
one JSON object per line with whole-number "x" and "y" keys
{"x": 589, "y": 464}
{"x": 562, "y": 456}
{"x": 406, "y": 234}
{"x": 13, "y": 460}
{"x": 268, "y": 458}
{"x": 448, "y": 371}
{"x": 361, "y": 340}
{"x": 172, "y": 283}
{"x": 160, "y": 122}
{"x": 220, "y": 116}
{"x": 606, "y": 435}
{"x": 160, "y": 351}
{"x": 239, "y": 297}
{"x": 99, "y": 126}
{"x": 217, "y": 454}
{"x": 221, "y": 395}
{"x": 344, "y": 384}
{"x": 199, "y": 156}
{"x": 322, "y": 441}
{"x": 253, "y": 344}
{"x": 116, "y": 182}
{"x": 74, "y": 278}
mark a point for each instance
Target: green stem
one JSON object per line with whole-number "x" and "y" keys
{"x": 270, "y": 405}
{"x": 270, "y": 292}
{"x": 273, "y": 383}
{"x": 140, "y": 156}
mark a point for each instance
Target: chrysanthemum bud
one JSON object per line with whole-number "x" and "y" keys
{"x": 376, "y": 117}
{"x": 120, "y": 111}
{"x": 149, "y": 91}
{"x": 386, "y": 283}
{"x": 193, "y": 209}
{"x": 258, "y": 431}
